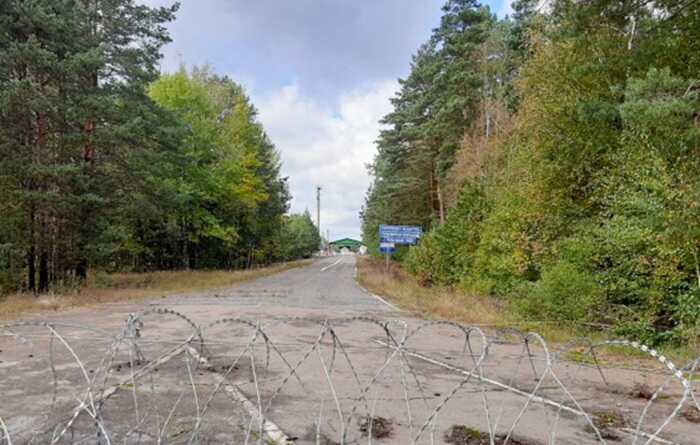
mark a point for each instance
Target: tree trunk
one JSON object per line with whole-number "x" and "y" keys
{"x": 88, "y": 148}
{"x": 431, "y": 206}
{"x": 31, "y": 255}
{"x": 441, "y": 205}
{"x": 31, "y": 268}
{"x": 435, "y": 196}
{"x": 81, "y": 269}
{"x": 44, "y": 272}
{"x": 184, "y": 245}
{"x": 192, "y": 257}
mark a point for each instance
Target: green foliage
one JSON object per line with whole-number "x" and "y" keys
{"x": 504, "y": 256}
{"x": 446, "y": 255}
{"x": 686, "y": 317}
{"x": 222, "y": 187}
{"x": 562, "y": 293}
{"x": 103, "y": 163}
{"x": 11, "y": 262}
{"x": 72, "y": 110}
{"x": 587, "y": 210}
{"x": 300, "y": 238}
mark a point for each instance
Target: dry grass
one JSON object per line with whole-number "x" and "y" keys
{"x": 431, "y": 302}
{"x": 444, "y": 303}
{"x": 447, "y": 303}
{"x": 103, "y": 288}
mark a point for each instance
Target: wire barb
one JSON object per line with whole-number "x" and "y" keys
{"x": 164, "y": 379}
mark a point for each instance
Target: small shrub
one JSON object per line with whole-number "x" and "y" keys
{"x": 422, "y": 260}
{"x": 563, "y": 293}
{"x": 687, "y": 318}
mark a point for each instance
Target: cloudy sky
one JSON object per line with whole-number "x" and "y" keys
{"x": 321, "y": 73}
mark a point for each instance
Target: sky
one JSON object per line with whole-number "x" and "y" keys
{"x": 320, "y": 72}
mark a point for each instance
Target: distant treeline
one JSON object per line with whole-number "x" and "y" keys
{"x": 554, "y": 157}
{"x": 104, "y": 163}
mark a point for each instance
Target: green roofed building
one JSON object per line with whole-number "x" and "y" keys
{"x": 346, "y": 243}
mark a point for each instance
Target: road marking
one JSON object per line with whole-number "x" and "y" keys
{"x": 334, "y": 264}
{"x": 531, "y": 396}
{"x": 273, "y": 432}
{"x": 384, "y": 301}
{"x": 378, "y": 298}
{"x": 495, "y": 383}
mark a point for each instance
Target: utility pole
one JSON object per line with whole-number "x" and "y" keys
{"x": 318, "y": 213}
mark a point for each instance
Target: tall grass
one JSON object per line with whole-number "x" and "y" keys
{"x": 430, "y": 302}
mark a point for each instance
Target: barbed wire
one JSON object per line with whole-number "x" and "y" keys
{"x": 164, "y": 379}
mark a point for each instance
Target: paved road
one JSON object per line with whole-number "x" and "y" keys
{"x": 302, "y": 347}
{"x": 328, "y": 285}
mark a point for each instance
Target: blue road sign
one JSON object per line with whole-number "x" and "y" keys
{"x": 387, "y": 247}
{"x": 399, "y": 234}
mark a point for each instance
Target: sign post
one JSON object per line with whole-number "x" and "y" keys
{"x": 390, "y": 236}
{"x": 387, "y": 249}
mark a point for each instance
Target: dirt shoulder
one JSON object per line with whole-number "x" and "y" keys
{"x": 445, "y": 303}
{"x": 121, "y": 287}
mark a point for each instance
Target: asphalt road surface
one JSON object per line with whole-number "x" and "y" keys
{"x": 328, "y": 286}
{"x": 308, "y": 356}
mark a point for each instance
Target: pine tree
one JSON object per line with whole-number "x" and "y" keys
{"x": 437, "y": 103}
{"x": 72, "y": 98}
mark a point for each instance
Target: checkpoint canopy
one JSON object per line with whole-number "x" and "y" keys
{"x": 347, "y": 243}
{"x": 399, "y": 234}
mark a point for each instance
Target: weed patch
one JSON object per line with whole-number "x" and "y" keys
{"x": 463, "y": 435}
{"x": 380, "y": 427}
{"x": 692, "y": 414}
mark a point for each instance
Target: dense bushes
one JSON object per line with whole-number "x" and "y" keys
{"x": 563, "y": 292}
{"x": 588, "y": 208}
{"x": 300, "y": 237}
{"x": 446, "y": 254}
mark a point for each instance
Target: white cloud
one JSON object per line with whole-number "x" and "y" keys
{"x": 327, "y": 146}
